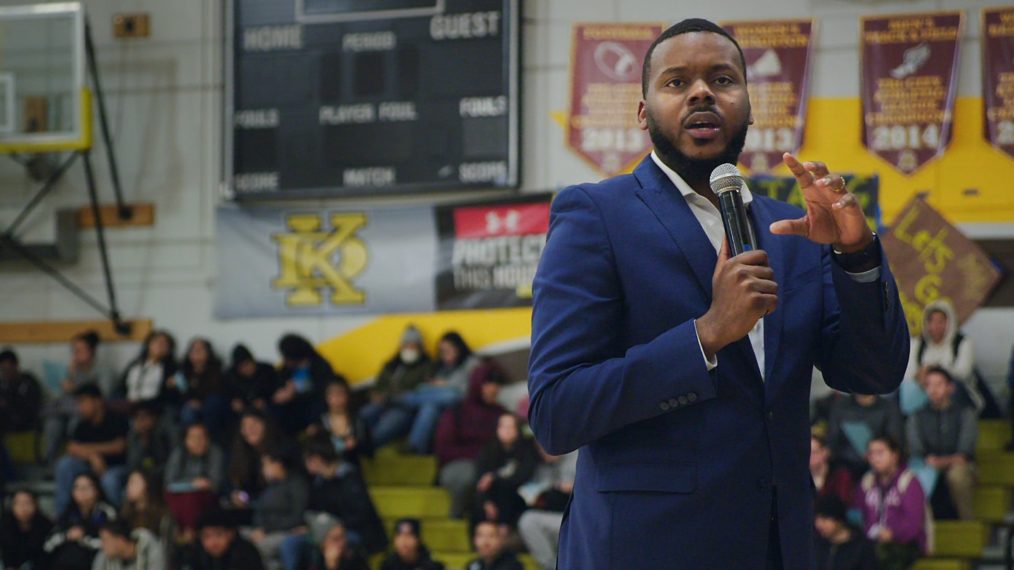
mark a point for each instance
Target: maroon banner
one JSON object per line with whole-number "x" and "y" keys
{"x": 910, "y": 66}
{"x": 605, "y": 88}
{"x": 778, "y": 61}
{"x": 998, "y": 77}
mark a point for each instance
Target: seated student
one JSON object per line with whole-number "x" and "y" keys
{"x": 75, "y": 536}
{"x": 219, "y": 546}
{"x": 387, "y": 415}
{"x": 838, "y": 545}
{"x": 256, "y": 435}
{"x": 250, "y": 384}
{"x": 204, "y": 398}
{"x": 336, "y": 554}
{"x": 300, "y": 399}
{"x": 143, "y": 508}
{"x": 893, "y": 506}
{"x": 338, "y": 489}
{"x": 489, "y": 547}
{"x": 23, "y": 532}
{"x": 943, "y": 435}
{"x": 854, "y": 421}
{"x": 82, "y": 369}
{"x": 97, "y": 445}
{"x": 547, "y": 496}
{"x": 194, "y": 476}
{"x": 152, "y": 375}
{"x": 346, "y": 430}
{"x": 124, "y": 548}
{"x": 504, "y": 464}
{"x": 443, "y": 388}
{"x": 829, "y": 478}
{"x": 278, "y": 513}
{"x": 20, "y": 395}
{"x": 149, "y": 440}
{"x": 409, "y": 552}
{"x": 462, "y": 432}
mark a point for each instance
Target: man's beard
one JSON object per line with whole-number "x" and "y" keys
{"x": 693, "y": 168}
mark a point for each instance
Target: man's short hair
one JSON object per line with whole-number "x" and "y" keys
{"x": 8, "y": 355}
{"x": 118, "y": 527}
{"x": 941, "y": 371}
{"x": 321, "y": 447}
{"x": 88, "y": 390}
{"x": 217, "y": 517}
{"x": 685, "y": 27}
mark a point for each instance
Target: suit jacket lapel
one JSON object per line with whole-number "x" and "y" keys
{"x": 671, "y": 209}
{"x": 762, "y": 217}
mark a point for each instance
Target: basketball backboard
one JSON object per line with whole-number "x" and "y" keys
{"x": 44, "y": 105}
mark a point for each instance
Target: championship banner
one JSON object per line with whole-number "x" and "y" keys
{"x": 998, "y": 77}
{"x": 786, "y": 188}
{"x": 931, "y": 260}
{"x": 605, "y": 88}
{"x": 778, "y": 61}
{"x": 283, "y": 262}
{"x": 909, "y": 82}
{"x": 489, "y": 253}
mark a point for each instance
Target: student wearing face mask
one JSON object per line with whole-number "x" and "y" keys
{"x": 389, "y": 414}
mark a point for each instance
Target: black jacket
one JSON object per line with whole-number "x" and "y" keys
{"x": 345, "y": 496}
{"x": 514, "y": 467}
{"x": 506, "y": 561}
{"x": 242, "y": 555}
{"x": 19, "y": 546}
{"x": 392, "y": 562}
{"x": 261, "y": 386}
{"x": 856, "y": 554}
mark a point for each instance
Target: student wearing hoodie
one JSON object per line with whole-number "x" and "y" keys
{"x": 942, "y": 344}
{"x": 893, "y": 506}
{"x": 489, "y": 546}
{"x": 462, "y": 432}
{"x": 249, "y": 383}
{"x": 23, "y": 532}
{"x": 838, "y": 545}
{"x": 74, "y": 540}
{"x": 388, "y": 415}
{"x": 278, "y": 513}
{"x": 409, "y": 551}
{"x": 126, "y": 549}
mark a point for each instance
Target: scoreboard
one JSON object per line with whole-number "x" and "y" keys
{"x": 358, "y": 97}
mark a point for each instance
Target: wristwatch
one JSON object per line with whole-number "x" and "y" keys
{"x": 860, "y": 261}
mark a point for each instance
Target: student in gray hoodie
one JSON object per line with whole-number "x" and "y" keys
{"x": 278, "y": 513}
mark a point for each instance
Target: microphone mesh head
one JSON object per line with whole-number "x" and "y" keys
{"x": 726, "y": 177}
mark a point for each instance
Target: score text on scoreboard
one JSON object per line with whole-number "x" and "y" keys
{"x": 353, "y": 97}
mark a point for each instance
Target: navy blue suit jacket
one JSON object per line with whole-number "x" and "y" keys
{"x": 678, "y": 464}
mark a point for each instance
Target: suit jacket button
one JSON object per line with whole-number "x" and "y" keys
{"x": 674, "y": 403}
{"x": 692, "y": 396}
{"x": 771, "y": 416}
{"x": 664, "y": 406}
{"x": 683, "y": 400}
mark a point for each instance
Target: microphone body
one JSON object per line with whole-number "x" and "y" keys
{"x": 726, "y": 182}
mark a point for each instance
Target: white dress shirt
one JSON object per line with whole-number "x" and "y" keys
{"x": 710, "y": 219}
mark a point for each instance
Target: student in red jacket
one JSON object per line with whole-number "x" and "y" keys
{"x": 464, "y": 429}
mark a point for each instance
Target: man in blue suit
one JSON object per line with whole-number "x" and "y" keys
{"x": 682, "y": 374}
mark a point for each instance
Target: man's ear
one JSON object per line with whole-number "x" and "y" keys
{"x": 642, "y": 115}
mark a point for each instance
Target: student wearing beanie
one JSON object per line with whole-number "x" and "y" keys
{"x": 409, "y": 551}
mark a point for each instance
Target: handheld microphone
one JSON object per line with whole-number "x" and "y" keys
{"x": 726, "y": 182}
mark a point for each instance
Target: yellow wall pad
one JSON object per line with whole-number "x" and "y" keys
{"x": 359, "y": 353}
{"x": 142, "y": 214}
{"x": 34, "y": 332}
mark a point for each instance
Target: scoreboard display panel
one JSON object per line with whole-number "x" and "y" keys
{"x": 358, "y": 97}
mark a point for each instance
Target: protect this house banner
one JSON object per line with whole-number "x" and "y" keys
{"x": 998, "y": 77}
{"x": 275, "y": 261}
{"x": 778, "y": 65}
{"x": 909, "y": 81}
{"x": 605, "y": 88}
